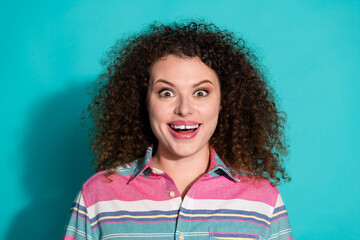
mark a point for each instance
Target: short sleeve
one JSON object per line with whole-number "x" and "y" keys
{"x": 78, "y": 225}
{"x": 280, "y": 226}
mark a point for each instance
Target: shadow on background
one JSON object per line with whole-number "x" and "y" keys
{"x": 57, "y": 161}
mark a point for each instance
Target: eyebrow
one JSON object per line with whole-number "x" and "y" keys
{"x": 195, "y": 85}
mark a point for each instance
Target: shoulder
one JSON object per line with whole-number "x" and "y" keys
{"x": 100, "y": 186}
{"x": 258, "y": 189}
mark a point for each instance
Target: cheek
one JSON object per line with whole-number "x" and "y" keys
{"x": 157, "y": 113}
{"x": 211, "y": 114}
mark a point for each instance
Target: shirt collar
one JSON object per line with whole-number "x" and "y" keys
{"x": 143, "y": 165}
{"x": 217, "y": 166}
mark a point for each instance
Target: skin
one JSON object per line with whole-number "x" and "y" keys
{"x": 187, "y": 91}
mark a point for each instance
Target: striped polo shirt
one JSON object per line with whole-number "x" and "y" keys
{"x": 141, "y": 202}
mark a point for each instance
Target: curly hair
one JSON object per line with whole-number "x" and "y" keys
{"x": 250, "y": 131}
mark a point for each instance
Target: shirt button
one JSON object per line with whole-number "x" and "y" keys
{"x": 172, "y": 194}
{"x": 181, "y": 237}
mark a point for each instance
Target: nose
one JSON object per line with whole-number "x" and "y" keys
{"x": 184, "y": 107}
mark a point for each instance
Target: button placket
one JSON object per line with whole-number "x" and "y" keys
{"x": 184, "y": 226}
{"x": 172, "y": 194}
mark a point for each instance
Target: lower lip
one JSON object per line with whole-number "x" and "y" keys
{"x": 184, "y": 135}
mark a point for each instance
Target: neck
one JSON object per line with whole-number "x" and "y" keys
{"x": 184, "y": 170}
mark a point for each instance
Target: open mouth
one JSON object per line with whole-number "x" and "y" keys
{"x": 184, "y": 128}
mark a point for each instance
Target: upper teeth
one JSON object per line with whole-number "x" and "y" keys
{"x": 184, "y": 127}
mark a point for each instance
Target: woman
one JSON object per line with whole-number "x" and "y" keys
{"x": 184, "y": 91}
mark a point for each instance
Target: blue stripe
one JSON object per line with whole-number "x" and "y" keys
{"x": 79, "y": 214}
{"x": 137, "y": 220}
{"x": 279, "y": 209}
{"x": 215, "y": 218}
{"x": 80, "y": 207}
{"x": 226, "y": 211}
{"x": 120, "y": 213}
{"x": 113, "y": 216}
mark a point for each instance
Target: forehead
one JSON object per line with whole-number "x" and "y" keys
{"x": 174, "y": 68}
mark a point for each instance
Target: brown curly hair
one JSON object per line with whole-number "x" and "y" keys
{"x": 250, "y": 130}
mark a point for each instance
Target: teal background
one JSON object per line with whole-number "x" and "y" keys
{"x": 50, "y": 52}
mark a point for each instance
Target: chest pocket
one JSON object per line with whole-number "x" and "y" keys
{"x": 243, "y": 234}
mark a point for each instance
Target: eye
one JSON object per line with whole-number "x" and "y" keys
{"x": 201, "y": 93}
{"x": 166, "y": 93}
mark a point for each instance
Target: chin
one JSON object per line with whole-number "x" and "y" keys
{"x": 185, "y": 150}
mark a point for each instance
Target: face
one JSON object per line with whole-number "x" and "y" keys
{"x": 183, "y": 102}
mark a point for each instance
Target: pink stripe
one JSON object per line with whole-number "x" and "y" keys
{"x": 67, "y": 237}
{"x": 224, "y": 220}
{"x": 98, "y": 189}
{"x": 289, "y": 238}
{"x": 80, "y": 217}
{"x": 222, "y": 188}
{"x": 279, "y": 219}
{"x": 133, "y": 222}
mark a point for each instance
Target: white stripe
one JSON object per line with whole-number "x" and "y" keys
{"x": 79, "y": 232}
{"x": 233, "y": 204}
{"x": 193, "y": 233}
{"x": 175, "y": 204}
{"x": 140, "y": 235}
{"x": 285, "y": 230}
{"x": 279, "y": 202}
{"x": 120, "y": 235}
{"x": 79, "y": 199}
{"x": 275, "y": 235}
{"x": 136, "y": 206}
